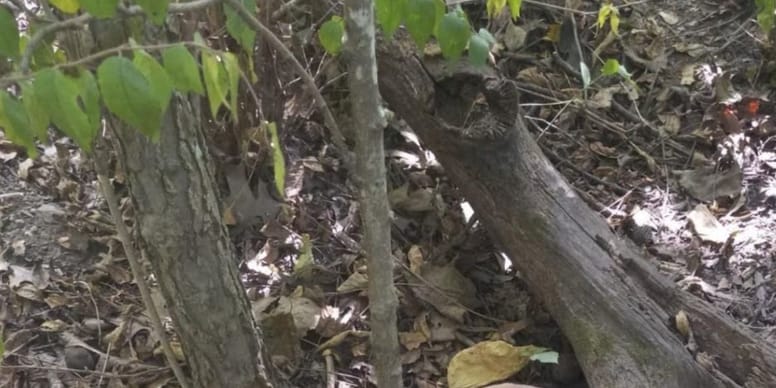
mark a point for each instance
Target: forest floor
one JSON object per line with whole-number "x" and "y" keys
{"x": 682, "y": 160}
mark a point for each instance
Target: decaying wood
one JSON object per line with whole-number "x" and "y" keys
{"x": 611, "y": 304}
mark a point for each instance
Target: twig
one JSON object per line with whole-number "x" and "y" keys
{"x": 283, "y": 9}
{"x": 328, "y": 117}
{"x": 104, "y": 53}
{"x": 37, "y": 38}
{"x": 100, "y": 165}
{"x": 11, "y": 195}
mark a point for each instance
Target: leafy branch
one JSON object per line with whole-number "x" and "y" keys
{"x": 80, "y": 20}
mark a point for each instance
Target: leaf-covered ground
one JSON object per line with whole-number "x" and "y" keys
{"x": 684, "y": 163}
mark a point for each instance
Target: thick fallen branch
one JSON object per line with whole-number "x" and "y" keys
{"x": 610, "y": 303}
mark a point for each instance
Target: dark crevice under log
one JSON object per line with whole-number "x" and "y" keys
{"x": 612, "y": 305}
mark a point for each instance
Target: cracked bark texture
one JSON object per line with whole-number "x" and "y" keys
{"x": 178, "y": 218}
{"x": 179, "y": 228}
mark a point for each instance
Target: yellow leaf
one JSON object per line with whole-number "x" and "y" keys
{"x": 614, "y": 21}
{"x": 488, "y": 362}
{"x": 495, "y": 7}
{"x": 603, "y": 14}
{"x": 66, "y": 6}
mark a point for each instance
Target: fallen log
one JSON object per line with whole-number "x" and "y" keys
{"x": 611, "y": 304}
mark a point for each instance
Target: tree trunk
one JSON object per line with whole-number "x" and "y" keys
{"x": 610, "y": 303}
{"x": 177, "y": 211}
{"x": 369, "y": 122}
{"x": 178, "y": 217}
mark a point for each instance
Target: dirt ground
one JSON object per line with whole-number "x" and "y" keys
{"x": 684, "y": 164}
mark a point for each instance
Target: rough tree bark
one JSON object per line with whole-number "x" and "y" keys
{"x": 178, "y": 216}
{"x": 369, "y": 122}
{"x": 610, "y": 303}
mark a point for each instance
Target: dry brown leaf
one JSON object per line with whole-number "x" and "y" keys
{"x": 447, "y": 290}
{"x": 488, "y": 362}
{"x": 706, "y": 184}
{"x": 357, "y": 281}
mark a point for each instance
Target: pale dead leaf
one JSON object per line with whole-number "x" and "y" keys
{"x": 668, "y": 17}
{"x": 682, "y": 324}
{"x": 304, "y": 311}
{"x": 514, "y": 37}
{"x": 19, "y": 247}
{"x": 415, "y": 257}
{"x": 29, "y": 291}
{"x": 692, "y": 49}
{"x": 706, "y": 225}
{"x": 671, "y": 123}
{"x": 603, "y": 98}
{"x": 487, "y": 362}
{"x": 53, "y": 326}
{"x": 357, "y": 281}
{"x": 412, "y": 340}
{"x": 688, "y": 75}
{"x": 24, "y": 169}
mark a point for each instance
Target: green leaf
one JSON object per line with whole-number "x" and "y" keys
{"x": 44, "y": 55}
{"x": 9, "y": 34}
{"x": 439, "y": 12}
{"x": 36, "y": 112}
{"x": 128, "y": 95}
{"x": 155, "y": 9}
{"x": 420, "y": 21}
{"x": 389, "y": 14}
{"x": 514, "y": 8}
{"x": 546, "y": 357}
{"x": 603, "y": 14}
{"x": 765, "y": 14}
{"x": 66, "y": 6}
{"x": 216, "y": 81}
{"x": 453, "y": 35}
{"x": 238, "y": 29}
{"x": 611, "y": 67}
{"x": 63, "y": 96}
{"x": 100, "y": 8}
{"x": 485, "y": 34}
{"x": 278, "y": 161}
{"x": 330, "y": 35}
{"x": 233, "y": 73}
{"x": 157, "y": 77}
{"x": 494, "y": 7}
{"x": 13, "y": 119}
{"x": 478, "y": 50}
{"x": 585, "y": 72}
{"x": 89, "y": 94}
{"x": 182, "y": 69}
